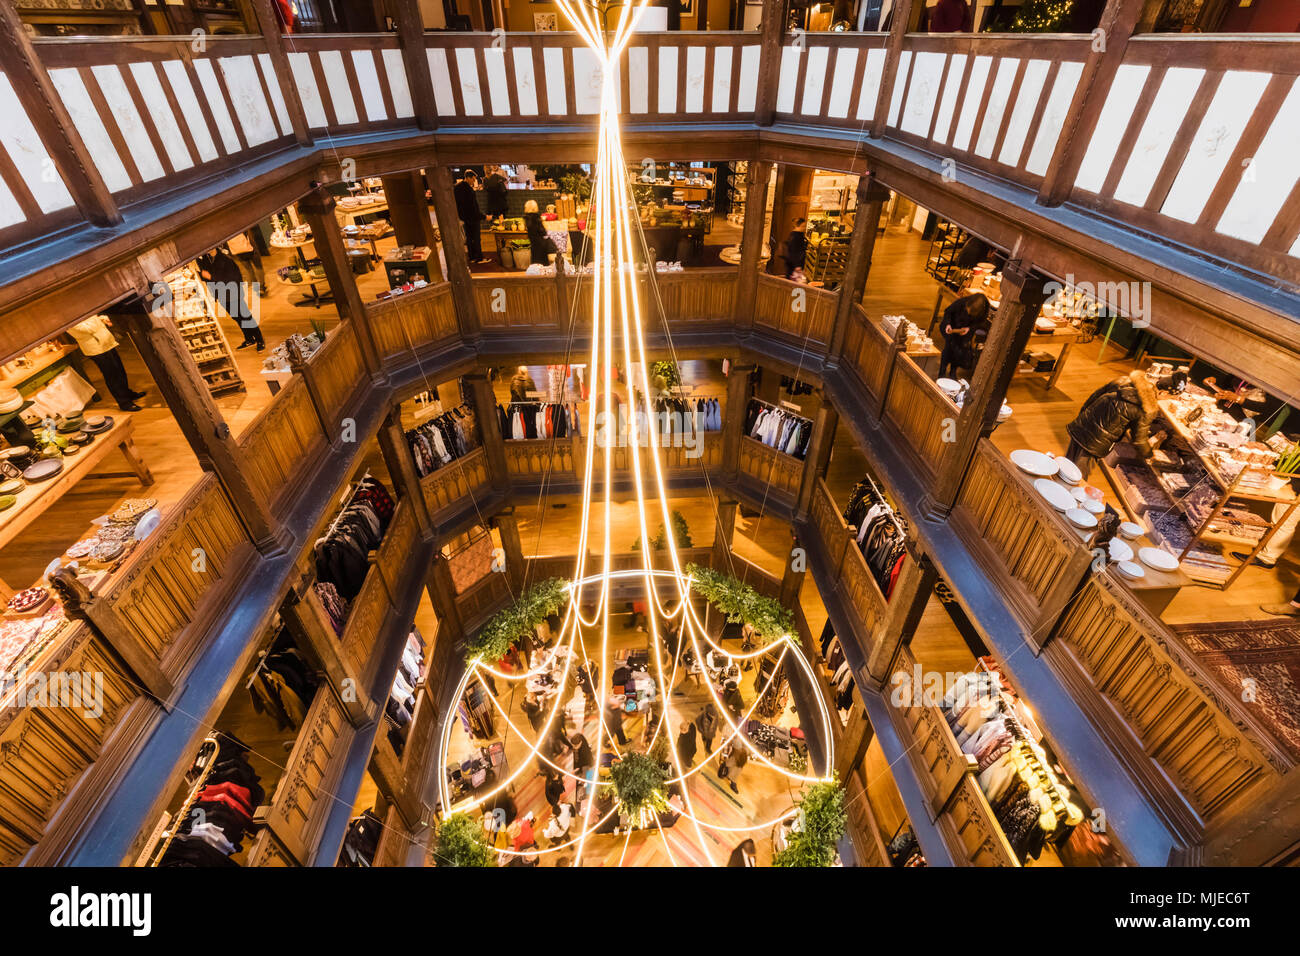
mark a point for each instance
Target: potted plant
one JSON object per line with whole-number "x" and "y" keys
{"x": 290, "y": 274}
{"x": 820, "y": 823}
{"x": 460, "y": 842}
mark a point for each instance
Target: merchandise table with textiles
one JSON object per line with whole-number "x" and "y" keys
{"x": 400, "y": 709}
{"x": 779, "y": 744}
{"x": 523, "y": 420}
{"x": 632, "y": 687}
{"x": 777, "y": 428}
{"x": 881, "y": 535}
{"x": 1020, "y": 778}
{"x": 441, "y": 440}
{"x": 478, "y": 770}
{"x": 548, "y": 677}
{"x": 343, "y": 552}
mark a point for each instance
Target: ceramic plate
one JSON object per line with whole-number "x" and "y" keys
{"x": 1055, "y": 494}
{"x": 11, "y": 487}
{"x": 148, "y": 521}
{"x": 104, "y": 425}
{"x": 1159, "y": 559}
{"x": 949, "y": 386}
{"x": 7, "y": 502}
{"x": 18, "y": 451}
{"x": 1079, "y": 492}
{"x": 1093, "y": 492}
{"x": 94, "y": 421}
{"x": 1119, "y": 551}
{"x": 1034, "y": 462}
{"x": 1130, "y": 529}
{"x": 1093, "y": 505}
{"x": 1068, "y": 471}
{"x": 43, "y": 469}
{"x": 1081, "y": 519}
{"x": 1131, "y": 570}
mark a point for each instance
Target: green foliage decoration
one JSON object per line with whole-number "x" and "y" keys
{"x": 460, "y": 842}
{"x": 741, "y": 603}
{"x": 639, "y": 784}
{"x": 511, "y": 623}
{"x": 822, "y": 821}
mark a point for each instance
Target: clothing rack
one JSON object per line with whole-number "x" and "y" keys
{"x": 160, "y": 851}
{"x": 343, "y": 505}
{"x": 892, "y": 512}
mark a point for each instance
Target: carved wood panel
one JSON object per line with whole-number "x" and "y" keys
{"x": 413, "y": 320}
{"x": 283, "y": 440}
{"x": 767, "y": 466}
{"x": 922, "y": 415}
{"x": 338, "y": 371}
{"x": 447, "y": 486}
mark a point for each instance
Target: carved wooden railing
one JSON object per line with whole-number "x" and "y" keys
{"x": 539, "y": 458}
{"x": 512, "y": 301}
{"x": 282, "y": 444}
{"x": 954, "y": 800}
{"x": 869, "y": 353}
{"x": 1196, "y": 731}
{"x": 350, "y": 82}
{"x": 868, "y": 842}
{"x": 446, "y": 488}
{"x": 921, "y": 414}
{"x": 1033, "y": 556}
{"x": 848, "y": 568}
{"x": 374, "y": 603}
{"x": 180, "y": 576}
{"x": 801, "y": 312}
{"x": 696, "y": 298}
{"x": 769, "y": 470}
{"x": 831, "y": 79}
{"x": 413, "y": 321}
{"x": 336, "y": 375}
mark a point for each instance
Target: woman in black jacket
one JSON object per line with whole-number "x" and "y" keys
{"x": 959, "y": 324}
{"x": 540, "y": 245}
{"x": 1124, "y": 407}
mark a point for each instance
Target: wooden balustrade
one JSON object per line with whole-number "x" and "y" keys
{"x": 447, "y": 487}
{"x": 413, "y": 321}
{"x": 869, "y": 353}
{"x": 337, "y": 375}
{"x": 958, "y": 807}
{"x": 695, "y": 298}
{"x": 868, "y": 842}
{"x": 284, "y": 442}
{"x": 1196, "y": 731}
{"x": 769, "y": 469}
{"x": 374, "y": 603}
{"x": 307, "y": 790}
{"x": 831, "y": 79}
{"x": 513, "y": 301}
{"x": 800, "y": 311}
{"x": 44, "y": 750}
{"x": 922, "y": 415}
{"x": 848, "y": 569}
{"x": 1034, "y": 557}
{"x": 540, "y": 458}
{"x": 478, "y": 602}
{"x": 187, "y": 568}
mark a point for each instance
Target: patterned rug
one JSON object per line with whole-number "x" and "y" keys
{"x": 1267, "y": 652}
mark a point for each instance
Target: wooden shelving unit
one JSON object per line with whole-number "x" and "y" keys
{"x": 195, "y": 315}
{"x": 941, "y": 262}
{"x": 827, "y": 259}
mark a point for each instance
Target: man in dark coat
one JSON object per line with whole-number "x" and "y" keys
{"x": 470, "y": 215}
{"x": 796, "y": 247}
{"x": 220, "y": 273}
{"x": 1124, "y": 408}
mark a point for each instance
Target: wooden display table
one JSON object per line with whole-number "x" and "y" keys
{"x": 35, "y": 499}
{"x": 40, "y": 364}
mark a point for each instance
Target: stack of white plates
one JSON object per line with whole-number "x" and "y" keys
{"x": 1119, "y": 551}
{"x": 1068, "y": 471}
{"x": 1131, "y": 570}
{"x": 1081, "y": 519}
{"x": 1158, "y": 559}
{"x": 1130, "y": 529}
{"x": 1054, "y": 494}
{"x": 1034, "y": 462}
{"x": 1092, "y": 505}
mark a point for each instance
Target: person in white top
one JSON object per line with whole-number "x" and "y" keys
{"x": 98, "y": 344}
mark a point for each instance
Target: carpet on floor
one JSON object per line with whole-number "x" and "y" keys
{"x": 1267, "y": 652}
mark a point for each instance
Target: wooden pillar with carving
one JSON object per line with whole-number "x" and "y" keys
{"x": 793, "y": 574}
{"x": 1022, "y": 296}
{"x": 442, "y": 595}
{"x": 415, "y": 59}
{"x": 1110, "y": 41}
{"x": 817, "y": 457}
{"x": 507, "y": 525}
{"x": 397, "y": 456}
{"x": 484, "y": 401}
{"x": 872, "y": 196}
{"x": 157, "y": 339}
{"x": 269, "y": 23}
{"x": 317, "y": 208}
{"x": 854, "y": 741}
{"x": 723, "y": 532}
{"x": 733, "y": 426}
{"x": 753, "y": 231}
{"x": 44, "y": 108}
{"x": 907, "y": 603}
{"x": 453, "y": 250}
{"x": 408, "y": 211}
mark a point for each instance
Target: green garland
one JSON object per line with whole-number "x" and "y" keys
{"x": 681, "y": 534}
{"x": 822, "y": 823}
{"x": 742, "y": 603}
{"x": 460, "y": 842}
{"x": 511, "y": 623}
{"x": 639, "y": 784}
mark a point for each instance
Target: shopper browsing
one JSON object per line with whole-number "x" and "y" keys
{"x": 99, "y": 345}
{"x": 1124, "y": 408}
{"x": 796, "y": 247}
{"x": 226, "y": 284}
{"x": 959, "y": 324}
{"x": 470, "y": 215}
{"x": 686, "y": 745}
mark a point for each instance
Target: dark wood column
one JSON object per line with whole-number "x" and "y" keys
{"x": 872, "y": 197}
{"x": 397, "y": 456}
{"x": 269, "y": 23}
{"x": 408, "y": 211}
{"x": 1022, "y": 296}
{"x": 1118, "y": 21}
{"x": 485, "y": 410}
{"x": 769, "y": 61}
{"x": 754, "y": 229}
{"x": 507, "y": 524}
{"x": 723, "y": 531}
{"x": 734, "y": 423}
{"x": 159, "y": 342}
{"x": 792, "y": 577}
{"x": 453, "y": 249}
{"x": 899, "y": 25}
{"x": 317, "y": 208}
{"x": 907, "y": 603}
{"x": 793, "y": 194}
{"x": 818, "y": 456}
{"x": 415, "y": 57}
{"x": 442, "y": 595}
{"x": 44, "y": 107}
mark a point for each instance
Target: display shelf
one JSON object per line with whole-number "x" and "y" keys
{"x": 195, "y": 314}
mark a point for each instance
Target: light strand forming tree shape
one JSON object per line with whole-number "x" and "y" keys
{"x": 617, "y": 313}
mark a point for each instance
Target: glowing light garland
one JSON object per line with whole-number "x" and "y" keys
{"x": 617, "y": 307}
